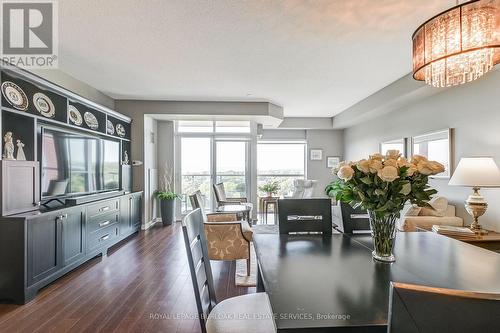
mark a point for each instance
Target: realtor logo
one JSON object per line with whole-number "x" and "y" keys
{"x": 29, "y": 33}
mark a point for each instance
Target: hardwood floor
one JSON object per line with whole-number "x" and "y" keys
{"x": 143, "y": 285}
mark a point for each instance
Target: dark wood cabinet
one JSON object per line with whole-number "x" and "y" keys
{"x": 73, "y": 235}
{"x": 43, "y": 247}
{"x": 38, "y": 247}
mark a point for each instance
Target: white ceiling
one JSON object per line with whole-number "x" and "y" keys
{"x": 315, "y": 58}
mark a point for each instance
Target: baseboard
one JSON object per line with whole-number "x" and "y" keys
{"x": 149, "y": 224}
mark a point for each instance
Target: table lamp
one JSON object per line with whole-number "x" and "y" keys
{"x": 476, "y": 172}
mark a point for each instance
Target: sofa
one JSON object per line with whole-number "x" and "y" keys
{"x": 422, "y": 220}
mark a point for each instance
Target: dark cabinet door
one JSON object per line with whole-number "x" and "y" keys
{"x": 135, "y": 210}
{"x": 73, "y": 235}
{"x": 125, "y": 224}
{"x": 43, "y": 247}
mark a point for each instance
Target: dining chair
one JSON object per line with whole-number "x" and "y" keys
{"x": 228, "y": 238}
{"x": 305, "y": 215}
{"x": 222, "y": 199}
{"x": 243, "y": 314}
{"x": 415, "y": 308}
{"x": 354, "y": 220}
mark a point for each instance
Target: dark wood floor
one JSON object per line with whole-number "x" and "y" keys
{"x": 142, "y": 286}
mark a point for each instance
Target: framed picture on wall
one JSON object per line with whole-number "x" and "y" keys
{"x": 332, "y": 162}
{"x": 436, "y": 146}
{"x": 316, "y": 154}
{"x": 397, "y": 144}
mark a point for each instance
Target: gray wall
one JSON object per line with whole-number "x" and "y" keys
{"x": 472, "y": 110}
{"x": 67, "y": 81}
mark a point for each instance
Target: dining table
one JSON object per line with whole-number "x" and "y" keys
{"x": 331, "y": 283}
{"x": 236, "y": 209}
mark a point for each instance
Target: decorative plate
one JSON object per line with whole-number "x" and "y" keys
{"x": 120, "y": 130}
{"x": 91, "y": 120}
{"x": 110, "y": 129}
{"x": 15, "y": 95}
{"x": 75, "y": 116}
{"x": 44, "y": 105}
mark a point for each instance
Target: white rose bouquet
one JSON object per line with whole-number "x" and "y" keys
{"x": 383, "y": 184}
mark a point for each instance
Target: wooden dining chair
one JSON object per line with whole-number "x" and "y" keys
{"x": 414, "y": 308}
{"x": 231, "y": 314}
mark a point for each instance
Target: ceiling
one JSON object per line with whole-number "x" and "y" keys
{"x": 314, "y": 58}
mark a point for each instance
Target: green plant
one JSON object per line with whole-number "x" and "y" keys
{"x": 166, "y": 191}
{"x": 166, "y": 195}
{"x": 270, "y": 187}
{"x": 383, "y": 184}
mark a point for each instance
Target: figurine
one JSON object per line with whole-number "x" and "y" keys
{"x": 8, "y": 147}
{"x": 20, "y": 151}
{"x": 125, "y": 158}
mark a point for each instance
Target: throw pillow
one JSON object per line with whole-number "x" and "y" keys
{"x": 438, "y": 207}
{"x": 411, "y": 210}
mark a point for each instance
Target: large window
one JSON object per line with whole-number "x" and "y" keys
{"x": 282, "y": 162}
{"x": 213, "y": 152}
{"x": 195, "y": 169}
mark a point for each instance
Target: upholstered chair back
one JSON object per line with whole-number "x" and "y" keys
{"x": 220, "y": 192}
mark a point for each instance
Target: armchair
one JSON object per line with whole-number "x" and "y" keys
{"x": 220, "y": 196}
{"x": 227, "y": 238}
{"x": 303, "y": 188}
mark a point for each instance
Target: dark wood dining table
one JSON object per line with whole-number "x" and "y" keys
{"x": 331, "y": 283}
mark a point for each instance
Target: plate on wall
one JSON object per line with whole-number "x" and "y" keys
{"x": 110, "y": 128}
{"x": 15, "y": 95}
{"x": 44, "y": 105}
{"x": 74, "y": 115}
{"x": 91, "y": 120}
{"x": 120, "y": 130}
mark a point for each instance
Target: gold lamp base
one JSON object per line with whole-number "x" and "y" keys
{"x": 476, "y": 206}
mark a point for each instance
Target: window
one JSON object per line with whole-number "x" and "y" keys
{"x": 435, "y": 146}
{"x": 282, "y": 162}
{"x": 399, "y": 144}
{"x": 212, "y": 152}
{"x": 195, "y": 170}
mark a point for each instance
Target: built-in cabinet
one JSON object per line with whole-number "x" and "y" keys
{"x": 38, "y": 247}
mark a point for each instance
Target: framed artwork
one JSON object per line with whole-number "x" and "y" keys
{"x": 332, "y": 162}
{"x": 316, "y": 154}
{"x": 397, "y": 144}
{"x": 436, "y": 146}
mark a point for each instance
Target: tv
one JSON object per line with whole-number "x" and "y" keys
{"x": 74, "y": 163}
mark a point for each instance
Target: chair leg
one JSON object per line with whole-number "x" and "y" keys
{"x": 248, "y": 267}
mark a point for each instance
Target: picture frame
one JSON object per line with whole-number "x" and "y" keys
{"x": 437, "y": 146}
{"x": 332, "y": 162}
{"x": 316, "y": 154}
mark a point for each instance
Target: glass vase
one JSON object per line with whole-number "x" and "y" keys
{"x": 383, "y": 229}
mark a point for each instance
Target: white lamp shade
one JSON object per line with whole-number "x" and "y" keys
{"x": 476, "y": 172}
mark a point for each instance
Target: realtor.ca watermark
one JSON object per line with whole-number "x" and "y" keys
{"x": 29, "y": 32}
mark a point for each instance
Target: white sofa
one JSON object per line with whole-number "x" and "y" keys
{"x": 410, "y": 223}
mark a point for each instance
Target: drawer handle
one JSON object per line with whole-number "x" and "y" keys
{"x": 102, "y": 224}
{"x": 103, "y": 238}
{"x": 103, "y": 209}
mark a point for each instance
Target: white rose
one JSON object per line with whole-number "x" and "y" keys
{"x": 377, "y": 156}
{"x": 375, "y": 165}
{"x": 392, "y": 154}
{"x": 345, "y": 173}
{"x": 411, "y": 170}
{"x": 388, "y": 174}
{"x": 403, "y": 162}
{"x": 424, "y": 168}
{"x": 391, "y": 162}
{"x": 363, "y": 166}
{"x": 418, "y": 158}
{"x": 436, "y": 167}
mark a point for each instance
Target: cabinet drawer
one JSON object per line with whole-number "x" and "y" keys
{"x": 102, "y": 237}
{"x": 102, "y": 221}
{"x": 102, "y": 207}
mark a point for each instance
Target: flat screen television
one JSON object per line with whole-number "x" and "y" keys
{"x": 74, "y": 163}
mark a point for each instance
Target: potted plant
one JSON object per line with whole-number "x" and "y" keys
{"x": 166, "y": 197}
{"x": 270, "y": 188}
{"x": 382, "y": 185}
